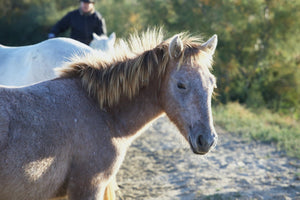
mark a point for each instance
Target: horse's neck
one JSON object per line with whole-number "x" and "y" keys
{"x": 133, "y": 115}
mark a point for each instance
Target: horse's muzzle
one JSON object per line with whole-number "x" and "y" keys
{"x": 202, "y": 145}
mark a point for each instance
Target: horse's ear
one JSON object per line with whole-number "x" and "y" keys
{"x": 176, "y": 47}
{"x": 95, "y": 36}
{"x": 211, "y": 44}
{"x": 112, "y": 37}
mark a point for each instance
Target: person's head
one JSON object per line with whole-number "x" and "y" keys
{"x": 87, "y": 5}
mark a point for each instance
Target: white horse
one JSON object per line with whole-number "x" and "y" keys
{"x": 103, "y": 42}
{"x": 26, "y": 65}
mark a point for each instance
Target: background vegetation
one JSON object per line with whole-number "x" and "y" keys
{"x": 260, "y": 125}
{"x": 257, "y": 62}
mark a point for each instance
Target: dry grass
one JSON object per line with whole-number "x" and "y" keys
{"x": 261, "y": 125}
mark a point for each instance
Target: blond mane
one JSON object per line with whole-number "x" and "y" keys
{"x": 108, "y": 76}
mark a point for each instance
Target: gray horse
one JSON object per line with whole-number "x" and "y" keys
{"x": 69, "y": 136}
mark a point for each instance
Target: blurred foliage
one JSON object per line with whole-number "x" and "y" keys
{"x": 258, "y": 56}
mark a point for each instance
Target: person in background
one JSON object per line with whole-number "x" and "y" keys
{"x": 83, "y": 23}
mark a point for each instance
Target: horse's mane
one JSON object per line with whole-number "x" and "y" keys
{"x": 108, "y": 76}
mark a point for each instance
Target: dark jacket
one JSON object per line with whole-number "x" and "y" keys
{"x": 82, "y": 25}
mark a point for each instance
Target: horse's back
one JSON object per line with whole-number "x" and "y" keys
{"x": 49, "y": 108}
{"x": 56, "y": 51}
{"x": 66, "y": 46}
{"x": 36, "y": 107}
{"x": 34, "y": 63}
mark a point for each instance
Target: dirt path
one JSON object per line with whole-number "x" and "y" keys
{"x": 160, "y": 165}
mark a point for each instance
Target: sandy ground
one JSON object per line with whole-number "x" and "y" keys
{"x": 160, "y": 165}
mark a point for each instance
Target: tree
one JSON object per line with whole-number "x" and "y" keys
{"x": 257, "y": 58}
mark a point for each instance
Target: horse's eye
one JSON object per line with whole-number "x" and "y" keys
{"x": 181, "y": 86}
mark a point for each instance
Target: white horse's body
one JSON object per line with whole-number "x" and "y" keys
{"x": 26, "y": 65}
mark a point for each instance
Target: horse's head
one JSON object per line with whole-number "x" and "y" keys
{"x": 187, "y": 90}
{"x": 103, "y": 42}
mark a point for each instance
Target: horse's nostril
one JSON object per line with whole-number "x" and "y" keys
{"x": 200, "y": 140}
